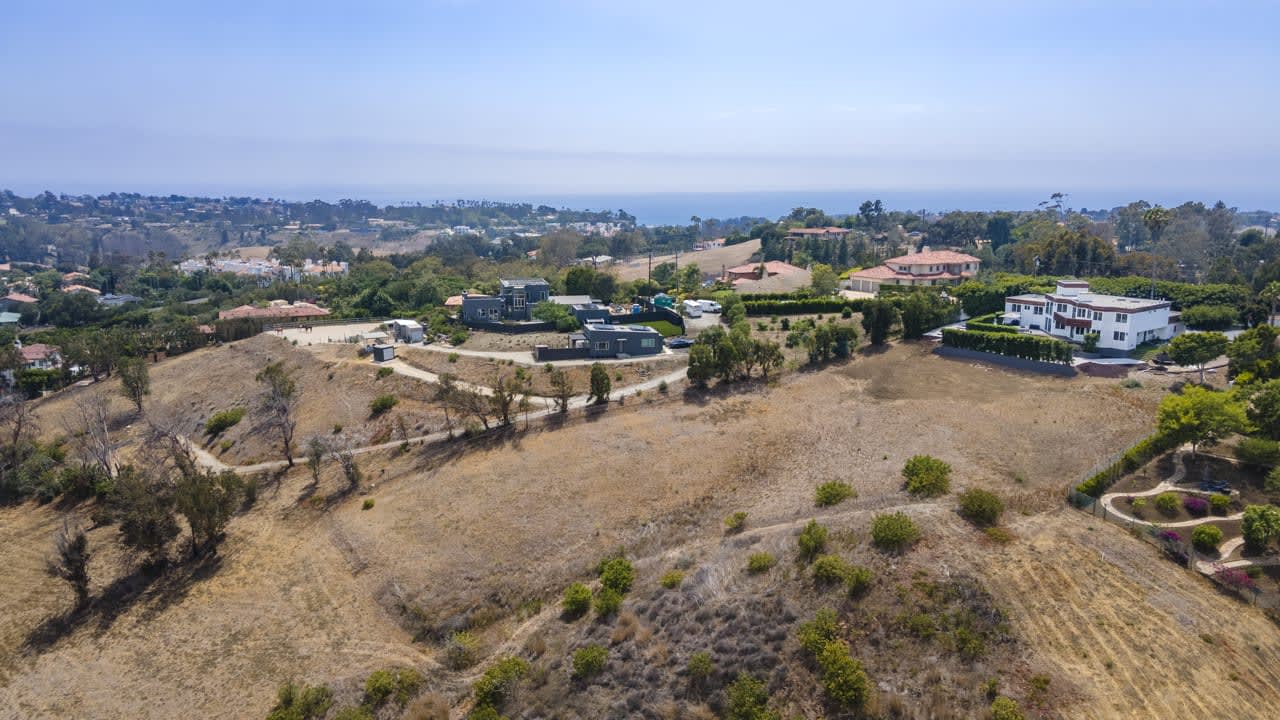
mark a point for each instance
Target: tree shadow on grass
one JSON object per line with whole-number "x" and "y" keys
{"x": 160, "y": 589}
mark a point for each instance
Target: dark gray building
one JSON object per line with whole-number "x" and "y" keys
{"x": 604, "y": 341}
{"x": 515, "y": 301}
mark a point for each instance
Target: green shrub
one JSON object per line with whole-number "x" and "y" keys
{"x": 1258, "y": 451}
{"x": 813, "y": 540}
{"x": 617, "y": 574}
{"x": 1167, "y": 502}
{"x": 999, "y": 535}
{"x": 607, "y": 602}
{"x": 671, "y": 579}
{"x": 894, "y": 531}
{"x": 843, "y": 679}
{"x": 1003, "y": 708}
{"x": 829, "y": 569}
{"x": 1090, "y": 343}
{"x": 589, "y": 661}
{"x": 1220, "y": 503}
{"x": 1134, "y": 458}
{"x": 379, "y": 687}
{"x": 735, "y": 522}
{"x": 981, "y": 507}
{"x": 748, "y": 699}
{"x": 367, "y": 504}
{"x": 1272, "y": 484}
{"x": 857, "y": 580}
{"x": 1210, "y": 317}
{"x": 384, "y": 372}
{"x": 461, "y": 650}
{"x": 1030, "y": 347}
{"x": 813, "y": 635}
{"x": 1138, "y": 504}
{"x": 760, "y": 562}
{"x": 337, "y": 428}
{"x": 700, "y": 666}
{"x": 354, "y": 712}
{"x": 833, "y": 493}
{"x": 383, "y": 403}
{"x": 577, "y": 600}
{"x": 301, "y": 702}
{"x": 1206, "y": 538}
{"x": 220, "y": 422}
{"x": 484, "y": 712}
{"x": 452, "y": 357}
{"x": 1130, "y": 384}
{"x": 927, "y": 476}
{"x": 497, "y": 682}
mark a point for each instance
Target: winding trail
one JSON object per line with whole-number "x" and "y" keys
{"x": 525, "y": 357}
{"x": 206, "y": 459}
{"x": 1203, "y": 564}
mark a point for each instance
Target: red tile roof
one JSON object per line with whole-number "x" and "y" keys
{"x": 818, "y": 231}
{"x": 37, "y": 351}
{"x": 879, "y": 272}
{"x": 934, "y": 257}
{"x": 279, "y": 311}
{"x": 773, "y": 267}
{"x": 19, "y": 298}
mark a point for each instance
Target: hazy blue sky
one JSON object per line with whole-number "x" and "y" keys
{"x": 471, "y": 97}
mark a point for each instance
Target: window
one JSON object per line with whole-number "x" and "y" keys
{"x": 1097, "y": 316}
{"x": 1039, "y": 311}
{"x": 1122, "y": 317}
{"x": 518, "y": 301}
{"x": 647, "y": 342}
{"x": 1017, "y": 307}
{"x": 1062, "y": 307}
{"x": 602, "y": 345}
{"x": 1117, "y": 335}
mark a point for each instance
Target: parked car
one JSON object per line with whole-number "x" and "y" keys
{"x": 692, "y": 308}
{"x": 710, "y": 306}
{"x": 679, "y": 342}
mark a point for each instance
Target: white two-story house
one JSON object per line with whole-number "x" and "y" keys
{"x": 1071, "y": 311}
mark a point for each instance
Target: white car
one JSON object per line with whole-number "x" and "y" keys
{"x": 692, "y": 308}
{"x": 710, "y": 306}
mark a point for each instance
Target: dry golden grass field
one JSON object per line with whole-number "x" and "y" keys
{"x": 1079, "y": 619}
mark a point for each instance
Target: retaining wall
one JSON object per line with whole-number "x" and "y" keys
{"x": 1008, "y": 361}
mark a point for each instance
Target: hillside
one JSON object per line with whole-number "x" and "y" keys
{"x": 1076, "y": 618}
{"x": 709, "y": 261}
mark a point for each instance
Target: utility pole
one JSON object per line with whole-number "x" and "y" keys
{"x": 650, "y": 276}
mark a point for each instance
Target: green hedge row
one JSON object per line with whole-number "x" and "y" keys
{"x": 1029, "y": 347}
{"x": 987, "y": 323}
{"x": 800, "y": 307}
{"x": 1133, "y": 458}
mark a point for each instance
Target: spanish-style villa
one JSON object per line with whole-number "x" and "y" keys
{"x": 925, "y": 268}
{"x": 1071, "y": 311}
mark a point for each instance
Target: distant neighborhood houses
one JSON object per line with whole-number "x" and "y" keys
{"x": 773, "y": 276}
{"x": 515, "y": 300}
{"x": 922, "y": 269}
{"x": 268, "y": 269}
{"x": 1071, "y": 312}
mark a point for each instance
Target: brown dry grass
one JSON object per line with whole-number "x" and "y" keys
{"x": 482, "y": 371}
{"x": 709, "y": 261}
{"x": 464, "y": 538}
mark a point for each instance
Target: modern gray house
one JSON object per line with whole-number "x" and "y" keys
{"x": 605, "y": 341}
{"x": 515, "y": 301}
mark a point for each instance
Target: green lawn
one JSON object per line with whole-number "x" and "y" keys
{"x": 1148, "y": 350}
{"x": 667, "y": 329}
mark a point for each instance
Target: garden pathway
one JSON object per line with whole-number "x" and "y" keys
{"x": 1166, "y": 485}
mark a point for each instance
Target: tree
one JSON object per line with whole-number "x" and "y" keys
{"x": 346, "y": 458}
{"x": 503, "y": 398}
{"x": 1197, "y": 349}
{"x": 89, "y": 429}
{"x": 878, "y": 317}
{"x": 1156, "y": 219}
{"x": 561, "y": 389}
{"x": 316, "y": 450}
{"x": 1271, "y": 295}
{"x": 70, "y": 561}
{"x": 926, "y": 476}
{"x": 135, "y": 382}
{"x": 444, "y": 393}
{"x": 823, "y": 280}
{"x": 208, "y": 500}
{"x": 702, "y": 364}
{"x": 601, "y": 385}
{"x": 144, "y": 507}
{"x": 1264, "y": 408}
{"x": 1200, "y": 416}
{"x": 1260, "y": 525}
{"x": 690, "y": 278}
{"x": 279, "y": 403}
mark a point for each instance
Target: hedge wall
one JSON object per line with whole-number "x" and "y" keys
{"x": 1029, "y": 347}
{"x": 1133, "y": 458}
{"x": 801, "y": 307}
{"x": 986, "y": 323}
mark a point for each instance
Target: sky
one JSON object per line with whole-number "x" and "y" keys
{"x": 458, "y": 98}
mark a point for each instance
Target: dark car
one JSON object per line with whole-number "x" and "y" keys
{"x": 679, "y": 342}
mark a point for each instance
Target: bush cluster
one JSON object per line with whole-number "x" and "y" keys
{"x": 1029, "y": 347}
{"x": 1258, "y": 451}
{"x": 735, "y": 522}
{"x": 671, "y": 579}
{"x": 496, "y": 684}
{"x": 801, "y": 306}
{"x": 383, "y": 403}
{"x": 1220, "y": 503}
{"x": 1210, "y": 317}
{"x": 1166, "y": 502}
{"x": 221, "y": 421}
{"x": 812, "y": 540}
{"x": 843, "y": 678}
{"x": 894, "y": 531}
{"x": 589, "y": 661}
{"x": 301, "y": 702}
{"x": 1194, "y": 505}
{"x": 833, "y": 493}
{"x": 577, "y": 600}
{"x": 1206, "y": 538}
{"x": 927, "y": 476}
{"x": 761, "y": 562}
{"x": 981, "y": 507}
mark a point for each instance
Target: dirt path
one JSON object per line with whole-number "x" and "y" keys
{"x": 1170, "y": 483}
{"x": 525, "y": 357}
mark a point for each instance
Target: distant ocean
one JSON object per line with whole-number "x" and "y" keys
{"x": 678, "y": 207}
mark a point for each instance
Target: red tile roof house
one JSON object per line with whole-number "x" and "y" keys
{"x": 297, "y": 311}
{"x": 832, "y": 233}
{"x": 39, "y": 356}
{"x": 930, "y": 267}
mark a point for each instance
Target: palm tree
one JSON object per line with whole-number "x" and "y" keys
{"x": 1271, "y": 294}
{"x": 1156, "y": 219}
